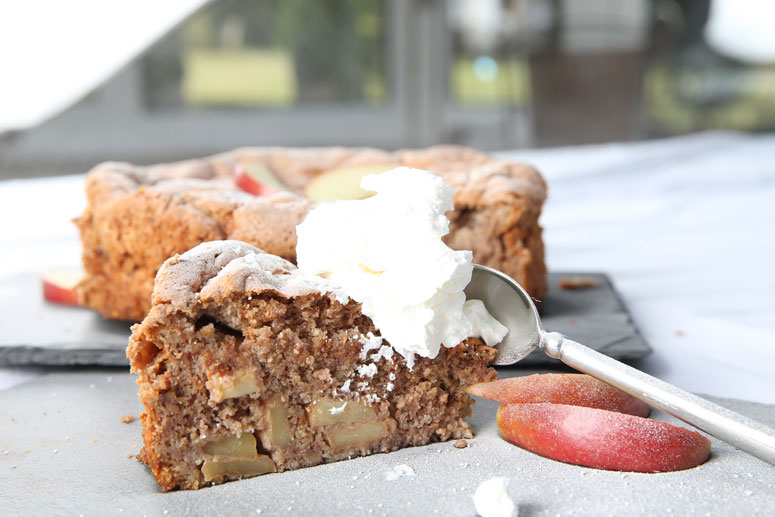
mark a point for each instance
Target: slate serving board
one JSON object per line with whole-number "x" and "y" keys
{"x": 42, "y": 333}
{"x": 65, "y": 451}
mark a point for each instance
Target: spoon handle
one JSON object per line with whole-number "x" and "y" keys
{"x": 735, "y": 429}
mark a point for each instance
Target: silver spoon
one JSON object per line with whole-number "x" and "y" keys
{"x": 507, "y": 301}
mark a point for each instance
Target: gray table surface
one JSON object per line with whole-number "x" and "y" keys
{"x": 65, "y": 451}
{"x": 38, "y": 332}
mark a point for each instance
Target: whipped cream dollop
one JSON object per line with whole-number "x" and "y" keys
{"x": 386, "y": 252}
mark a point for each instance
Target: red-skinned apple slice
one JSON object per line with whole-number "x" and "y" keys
{"x": 257, "y": 179}
{"x": 59, "y": 285}
{"x": 575, "y": 389}
{"x": 343, "y": 183}
{"x": 601, "y": 439}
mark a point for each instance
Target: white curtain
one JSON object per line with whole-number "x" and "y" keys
{"x": 52, "y": 53}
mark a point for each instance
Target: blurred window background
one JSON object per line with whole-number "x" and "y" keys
{"x": 271, "y": 54}
{"x": 494, "y": 74}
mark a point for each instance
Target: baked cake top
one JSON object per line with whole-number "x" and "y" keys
{"x": 478, "y": 179}
{"x": 214, "y": 271}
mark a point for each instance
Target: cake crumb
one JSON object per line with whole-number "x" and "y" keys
{"x": 491, "y": 499}
{"x": 460, "y": 444}
{"x": 578, "y": 282}
{"x": 399, "y": 471}
{"x": 127, "y": 419}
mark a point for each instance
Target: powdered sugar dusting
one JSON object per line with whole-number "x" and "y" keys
{"x": 370, "y": 342}
{"x": 371, "y": 398}
{"x": 337, "y": 410}
{"x": 384, "y": 352}
{"x": 345, "y": 386}
{"x": 241, "y": 266}
{"x": 367, "y": 370}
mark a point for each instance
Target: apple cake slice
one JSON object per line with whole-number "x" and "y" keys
{"x": 248, "y": 366}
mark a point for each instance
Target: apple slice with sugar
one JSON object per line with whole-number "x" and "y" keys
{"x": 344, "y": 182}
{"x": 575, "y": 389}
{"x": 601, "y": 439}
{"x": 257, "y": 179}
{"x": 59, "y": 285}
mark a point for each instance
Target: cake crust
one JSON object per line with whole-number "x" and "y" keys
{"x": 238, "y": 343}
{"x": 136, "y": 217}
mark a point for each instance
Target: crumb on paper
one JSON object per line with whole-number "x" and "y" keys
{"x": 127, "y": 419}
{"x": 680, "y": 333}
{"x": 492, "y": 499}
{"x": 399, "y": 471}
{"x": 578, "y": 282}
{"x": 460, "y": 444}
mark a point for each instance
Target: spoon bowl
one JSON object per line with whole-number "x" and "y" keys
{"x": 510, "y": 304}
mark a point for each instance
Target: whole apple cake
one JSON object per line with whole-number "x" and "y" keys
{"x": 137, "y": 217}
{"x": 248, "y": 366}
